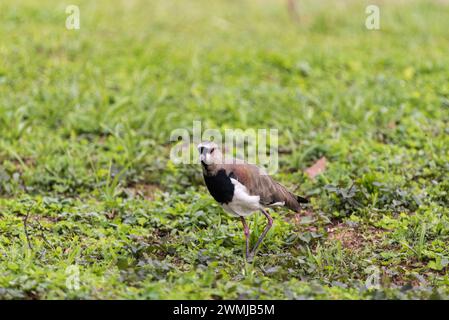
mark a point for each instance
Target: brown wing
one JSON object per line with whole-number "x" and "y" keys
{"x": 262, "y": 185}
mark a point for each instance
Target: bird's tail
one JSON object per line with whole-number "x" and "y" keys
{"x": 302, "y": 199}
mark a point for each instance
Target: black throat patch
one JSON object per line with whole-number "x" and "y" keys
{"x": 220, "y": 186}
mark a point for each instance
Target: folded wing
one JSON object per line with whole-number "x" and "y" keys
{"x": 264, "y": 186}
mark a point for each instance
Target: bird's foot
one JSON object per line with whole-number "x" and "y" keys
{"x": 250, "y": 257}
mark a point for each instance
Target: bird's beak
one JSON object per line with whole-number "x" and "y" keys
{"x": 202, "y": 159}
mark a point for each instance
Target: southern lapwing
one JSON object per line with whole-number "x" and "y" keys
{"x": 243, "y": 189}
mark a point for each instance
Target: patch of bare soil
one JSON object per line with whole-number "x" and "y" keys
{"x": 353, "y": 237}
{"x": 145, "y": 191}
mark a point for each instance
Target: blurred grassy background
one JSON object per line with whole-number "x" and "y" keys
{"x": 85, "y": 120}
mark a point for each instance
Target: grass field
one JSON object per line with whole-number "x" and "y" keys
{"x": 87, "y": 191}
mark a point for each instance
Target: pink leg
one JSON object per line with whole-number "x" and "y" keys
{"x": 246, "y": 231}
{"x": 264, "y": 233}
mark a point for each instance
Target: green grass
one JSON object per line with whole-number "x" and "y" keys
{"x": 85, "y": 121}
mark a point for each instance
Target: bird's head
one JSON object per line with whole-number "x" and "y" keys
{"x": 210, "y": 153}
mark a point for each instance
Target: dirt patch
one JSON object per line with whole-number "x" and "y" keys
{"x": 317, "y": 168}
{"x": 146, "y": 191}
{"x": 19, "y": 164}
{"x": 353, "y": 237}
{"x": 348, "y": 236}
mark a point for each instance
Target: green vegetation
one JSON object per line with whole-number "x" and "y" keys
{"x": 85, "y": 121}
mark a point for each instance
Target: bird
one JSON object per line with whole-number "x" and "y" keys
{"x": 242, "y": 189}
